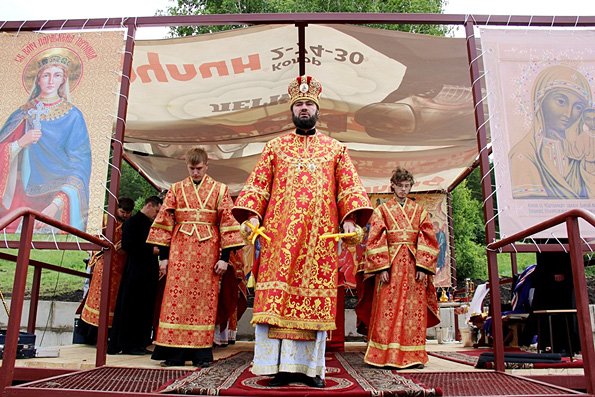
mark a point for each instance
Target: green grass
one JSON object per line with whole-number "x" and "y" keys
{"x": 523, "y": 261}
{"x": 52, "y": 283}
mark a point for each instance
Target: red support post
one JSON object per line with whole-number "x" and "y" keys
{"x": 513, "y": 263}
{"x": 16, "y": 304}
{"x": 302, "y": 47}
{"x": 488, "y": 205}
{"x": 34, "y": 299}
{"x": 100, "y": 355}
{"x": 582, "y": 302}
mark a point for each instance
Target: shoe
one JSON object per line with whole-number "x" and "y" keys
{"x": 415, "y": 366}
{"x": 280, "y": 379}
{"x": 172, "y": 363}
{"x": 315, "y": 381}
{"x": 202, "y": 364}
{"x": 232, "y": 342}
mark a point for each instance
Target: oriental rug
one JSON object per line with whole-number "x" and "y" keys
{"x": 346, "y": 373}
{"x": 512, "y": 359}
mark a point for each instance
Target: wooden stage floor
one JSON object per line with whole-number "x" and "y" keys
{"x": 78, "y": 357}
{"x": 139, "y": 375}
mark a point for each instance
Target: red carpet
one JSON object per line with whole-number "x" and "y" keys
{"x": 471, "y": 357}
{"x": 346, "y": 373}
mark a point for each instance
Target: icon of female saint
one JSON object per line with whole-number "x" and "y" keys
{"x": 45, "y": 153}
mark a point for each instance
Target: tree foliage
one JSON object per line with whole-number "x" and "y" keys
{"x": 211, "y": 7}
{"x": 133, "y": 185}
{"x": 469, "y": 234}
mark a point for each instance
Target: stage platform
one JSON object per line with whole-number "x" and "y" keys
{"x": 139, "y": 375}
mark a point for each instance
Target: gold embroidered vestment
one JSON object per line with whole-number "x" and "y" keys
{"x": 302, "y": 187}
{"x": 401, "y": 240}
{"x": 195, "y": 221}
{"x": 90, "y": 313}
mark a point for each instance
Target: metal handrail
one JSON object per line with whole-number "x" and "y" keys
{"x": 22, "y": 211}
{"x": 558, "y": 219}
{"x": 579, "y": 282}
{"x": 20, "y": 280}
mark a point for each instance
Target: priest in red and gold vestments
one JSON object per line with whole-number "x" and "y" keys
{"x": 303, "y": 186}
{"x": 401, "y": 253}
{"x": 196, "y": 232}
{"x": 90, "y": 313}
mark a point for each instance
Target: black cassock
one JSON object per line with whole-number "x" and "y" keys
{"x": 133, "y": 315}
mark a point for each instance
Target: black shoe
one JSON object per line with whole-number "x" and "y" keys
{"x": 415, "y": 366}
{"x": 172, "y": 363}
{"x": 280, "y": 379}
{"x": 232, "y": 342}
{"x": 315, "y": 381}
{"x": 202, "y": 364}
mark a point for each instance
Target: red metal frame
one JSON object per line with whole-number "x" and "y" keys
{"x": 114, "y": 186}
{"x": 578, "y": 275}
{"x": 35, "y": 286}
{"x": 301, "y": 20}
{"x": 20, "y": 281}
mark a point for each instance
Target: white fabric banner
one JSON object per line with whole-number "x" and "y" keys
{"x": 394, "y": 98}
{"x": 540, "y": 85}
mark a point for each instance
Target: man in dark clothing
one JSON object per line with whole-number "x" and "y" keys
{"x": 554, "y": 290}
{"x": 133, "y": 315}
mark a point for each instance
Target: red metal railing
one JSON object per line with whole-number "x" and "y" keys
{"x": 20, "y": 279}
{"x": 580, "y": 287}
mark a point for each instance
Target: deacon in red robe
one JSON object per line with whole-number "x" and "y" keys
{"x": 90, "y": 313}
{"x": 402, "y": 251}
{"x": 196, "y": 233}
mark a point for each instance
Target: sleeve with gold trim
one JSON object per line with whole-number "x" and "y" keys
{"x": 377, "y": 257}
{"x": 255, "y": 195}
{"x": 352, "y": 200}
{"x": 229, "y": 228}
{"x": 163, "y": 225}
{"x": 428, "y": 249}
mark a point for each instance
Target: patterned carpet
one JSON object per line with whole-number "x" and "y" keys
{"x": 471, "y": 357}
{"x": 346, "y": 373}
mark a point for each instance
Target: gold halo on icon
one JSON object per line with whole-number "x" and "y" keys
{"x": 58, "y": 55}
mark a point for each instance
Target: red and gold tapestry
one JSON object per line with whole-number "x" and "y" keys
{"x": 195, "y": 221}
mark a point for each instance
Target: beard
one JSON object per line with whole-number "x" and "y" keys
{"x": 305, "y": 124}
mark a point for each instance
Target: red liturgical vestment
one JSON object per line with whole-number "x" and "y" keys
{"x": 90, "y": 313}
{"x": 302, "y": 187}
{"x": 195, "y": 221}
{"x": 401, "y": 240}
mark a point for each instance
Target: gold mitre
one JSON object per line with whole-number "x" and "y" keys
{"x": 304, "y": 88}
